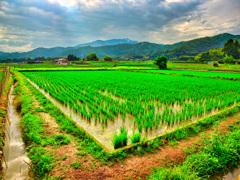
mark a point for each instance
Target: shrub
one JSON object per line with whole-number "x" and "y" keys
{"x": 161, "y": 62}
{"x": 228, "y": 60}
{"x": 215, "y": 64}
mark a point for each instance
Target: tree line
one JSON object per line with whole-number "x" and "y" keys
{"x": 230, "y": 53}
{"x": 70, "y": 57}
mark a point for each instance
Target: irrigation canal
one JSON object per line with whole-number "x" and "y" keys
{"x": 15, "y": 160}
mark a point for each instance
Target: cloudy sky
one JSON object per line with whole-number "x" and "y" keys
{"x": 28, "y": 24}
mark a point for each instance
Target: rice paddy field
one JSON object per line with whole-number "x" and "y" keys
{"x": 197, "y": 73}
{"x": 108, "y": 104}
{"x": 121, "y": 123}
{"x": 229, "y": 67}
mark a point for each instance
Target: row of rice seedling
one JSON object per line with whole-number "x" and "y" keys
{"x": 148, "y": 99}
{"x": 197, "y": 73}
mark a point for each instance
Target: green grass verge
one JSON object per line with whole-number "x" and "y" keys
{"x": 3, "y": 114}
{"x": 218, "y": 154}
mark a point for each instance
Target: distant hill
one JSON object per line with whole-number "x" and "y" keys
{"x": 132, "y": 48}
{"x": 46, "y": 52}
{"x": 143, "y": 48}
{"x": 200, "y": 45}
{"x": 108, "y": 42}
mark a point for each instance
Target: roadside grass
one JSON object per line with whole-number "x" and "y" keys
{"x": 217, "y": 154}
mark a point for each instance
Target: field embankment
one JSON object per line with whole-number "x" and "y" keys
{"x": 215, "y": 75}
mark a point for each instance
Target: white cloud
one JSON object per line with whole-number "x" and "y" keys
{"x": 67, "y": 3}
{"x": 24, "y": 48}
{"x": 48, "y": 23}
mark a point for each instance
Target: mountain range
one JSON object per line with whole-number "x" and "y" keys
{"x": 128, "y": 48}
{"x": 108, "y": 42}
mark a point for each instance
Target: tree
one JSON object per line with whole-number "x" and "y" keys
{"x": 107, "y": 58}
{"x": 231, "y": 49}
{"x": 8, "y": 60}
{"x": 73, "y": 58}
{"x": 92, "y": 57}
{"x": 161, "y": 62}
{"x": 228, "y": 60}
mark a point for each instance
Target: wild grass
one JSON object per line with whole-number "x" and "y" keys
{"x": 76, "y": 165}
{"x": 33, "y": 133}
{"x": 62, "y": 139}
{"x": 218, "y": 153}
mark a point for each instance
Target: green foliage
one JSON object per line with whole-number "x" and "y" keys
{"x": 215, "y": 64}
{"x": 186, "y": 58}
{"x": 92, "y": 57}
{"x": 136, "y": 138}
{"x": 71, "y": 57}
{"x": 76, "y": 165}
{"x": 62, "y": 139}
{"x": 161, "y": 62}
{"x": 190, "y": 48}
{"x": 219, "y": 153}
{"x": 107, "y": 58}
{"x": 196, "y": 46}
{"x": 121, "y": 139}
{"x": 210, "y": 55}
{"x": 42, "y": 163}
{"x": 228, "y": 60}
{"x": 231, "y": 48}
{"x": 33, "y": 127}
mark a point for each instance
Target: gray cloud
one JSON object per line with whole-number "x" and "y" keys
{"x": 46, "y": 23}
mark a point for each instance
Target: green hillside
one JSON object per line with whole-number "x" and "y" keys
{"x": 190, "y": 48}
{"x": 143, "y": 48}
{"x": 197, "y": 46}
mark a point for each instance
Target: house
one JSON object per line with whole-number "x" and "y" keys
{"x": 61, "y": 62}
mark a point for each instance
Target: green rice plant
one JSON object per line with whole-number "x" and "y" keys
{"x": 120, "y": 140}
{"x": 128, "y": 95}
{"x": 136, "y": 138}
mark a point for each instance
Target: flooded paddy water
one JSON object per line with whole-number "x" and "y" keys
{"x": 15, "y": 163}
{"x": 232, "y": 174}
{"x": 104, "y": 133}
